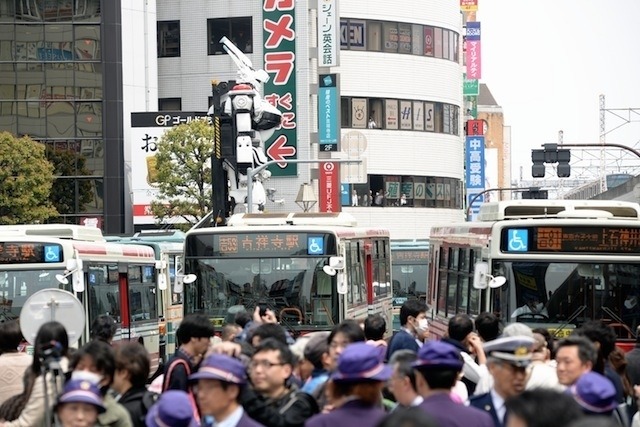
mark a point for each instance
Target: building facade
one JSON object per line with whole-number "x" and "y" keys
{"x": 73, "y": 72}
{"x": 400, "y": 97}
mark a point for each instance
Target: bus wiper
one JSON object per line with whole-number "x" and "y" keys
{"x": 575, "y": 314}
{"x": 613, "y": 315}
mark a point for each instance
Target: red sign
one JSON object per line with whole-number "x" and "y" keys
{"x": 329, "y": 187}
{"x": 469, "y": 5}
{"x": 475, "y": 127}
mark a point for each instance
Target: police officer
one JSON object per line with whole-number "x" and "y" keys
{"x": 507, "y": 360}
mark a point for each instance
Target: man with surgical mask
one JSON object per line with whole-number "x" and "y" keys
{"x": 414, "y": 324}
{"x": 95, "y": 362}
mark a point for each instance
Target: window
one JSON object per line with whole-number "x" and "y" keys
{"x": 168, "y": 39}
{"x": 142, "y": 293}
{"x": 345, "y": 110}
{"x": 170, "y": 104}
{"x": 390, "y": 36}
{"x": 374, "y": 36}
{"x": 238, "y": 30}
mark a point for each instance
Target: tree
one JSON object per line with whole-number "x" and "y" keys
{"x": 63, "y": 193}
{"x": 183, "y": 172}
{"x": 26, "y": 177}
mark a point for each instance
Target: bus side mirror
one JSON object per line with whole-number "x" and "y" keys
{"x": 482, "y": 279}
{"x": 335, "y": 263}
{"x": 178, "y": 288}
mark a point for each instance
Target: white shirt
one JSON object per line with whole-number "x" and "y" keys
{"x": 498, "y": 405}
{"x": 232, "y": 420}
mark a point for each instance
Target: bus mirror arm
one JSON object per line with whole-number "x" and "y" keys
{"x": 336, "y": 263}
{"x": 482, "y": 279}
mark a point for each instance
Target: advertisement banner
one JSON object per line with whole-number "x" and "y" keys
{"x": 473, "y": 51}
{"x": 328, "y": 33}
{"x": 278, "y": 24}
{"x": 146, "y": 131}
{"x": 475, "y": 173}
{"x": 470, "y": 87}
{"x": 469, "y": 5}
{"x": 328, "y": 112}
{"x": 329, "y": 187}
{"x": 359, "y": 113}
{"x": 391, "y": 113}
{"x": 405, "y": 115}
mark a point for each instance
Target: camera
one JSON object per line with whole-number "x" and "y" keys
{"x": 263, "y": 310}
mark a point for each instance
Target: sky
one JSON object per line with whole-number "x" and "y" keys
{"x": 547, "y": 61}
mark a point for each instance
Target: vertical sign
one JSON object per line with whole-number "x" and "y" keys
{"x": 279, "y": 61}
{"x": 328, "y": 113}
{"x": 475, "y": 170}
{"x": 470, "y": 87}
{"x": 328, "y": 32}
{"x": 146, "y": 131}
{"x": 469, "y": 5}
{"x": 329, "y": 187}
{"x": 474, "y": 63}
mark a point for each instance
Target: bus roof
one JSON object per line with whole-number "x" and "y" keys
{"x": 409, "y": 244}
{"x": 296, "y": 218}
{"x": 60, "y": 231}
{"x": 537, "y": 208}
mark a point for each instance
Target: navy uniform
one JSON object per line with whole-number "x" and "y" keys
{"x": 513, "y": 351}
{"x": 358, "y": 363}
{"x": 438, "y": 355}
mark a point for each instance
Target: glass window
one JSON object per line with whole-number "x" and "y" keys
{"x": 345, "y": 109}
{"x": 102, "y": 282}
{"x": 438, "y": 42}
{"x": 358, "y": 113}
{"x": 404, "y": 31}
{"x": 238, "y": 30}
{"x": 446, "y": 118}
{"x": 87, "y": 43}
{"x": 168, "y": 39}
{"x": 390, "y": 36}
{"x": 452, "y": 46}
{"x": 428, "y": 41}
{"x": 445, "y": 44}
{"x": 429, "y": 116}
{"x": 374, "y": 36}
{"x": 142, "y": 296}
{"x": 417, "y": 39}
{"x": 391, "y": 114}
{"x": 170, "y": 104}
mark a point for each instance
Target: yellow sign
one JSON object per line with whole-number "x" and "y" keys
{"x": 560, "y": 333}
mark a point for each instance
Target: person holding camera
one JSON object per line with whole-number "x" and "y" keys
{"x": 45, "y": 377}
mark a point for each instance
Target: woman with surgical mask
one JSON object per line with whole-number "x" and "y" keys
{"x": 95, "y": 362}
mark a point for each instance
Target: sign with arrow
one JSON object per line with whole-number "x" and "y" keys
{"x": 280, "y": 151}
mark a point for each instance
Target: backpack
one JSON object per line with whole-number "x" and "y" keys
{"x": 177, "y": 361}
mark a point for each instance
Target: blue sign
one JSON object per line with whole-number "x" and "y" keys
{"x": 474, "y": 173}
{"x": 328, "y": 113}
{"x": 315, "y": 245}
{"x": 345, "y": 195}
{"x": 52, "y": 253}
{"x": 473, "y": 31}
{"x": 518, "y": 240}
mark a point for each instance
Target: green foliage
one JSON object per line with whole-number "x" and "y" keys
{"x": 26, "y": 177}
{"x": 63, "y": 193}
{"x": 183, "y": 167}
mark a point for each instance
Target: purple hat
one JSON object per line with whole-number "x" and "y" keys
{"x": 361, "y": 361}
{"x": 82, "y": 391}
{"x": 174, "y": 408}
{"x": 438, "y": 354}
{"x": 222, "y": 368}
{"x": 595, "y": 393}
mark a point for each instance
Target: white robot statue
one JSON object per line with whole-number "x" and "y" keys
{"x": 255, "y": 121}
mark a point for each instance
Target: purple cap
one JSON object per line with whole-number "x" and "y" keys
{"x": 595, "y": 393}
{"x": 361, "y": 361}
{"x": 222, "y": 368}
{"x": 438, "y": 354}
{"x": 82, "y": 391}
{"x": 174, "y": 408}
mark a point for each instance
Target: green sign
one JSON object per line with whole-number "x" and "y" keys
{"x": 470, "y": 87}
{"x": 278, "y": 23}
{"x": 471, "y": 103}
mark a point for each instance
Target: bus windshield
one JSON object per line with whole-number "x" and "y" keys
{"x": 16, "y": 286}
{"x": 562, "y": 296}
{"x": 297, "y": 289}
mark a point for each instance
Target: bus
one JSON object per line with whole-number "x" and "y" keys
{"x": 107, "y": 278}
{"x": 168, "y": 247}
{"x": 313, "y": 269}
{"x": 551, "y": 264}
{"x": 410, "y": 272}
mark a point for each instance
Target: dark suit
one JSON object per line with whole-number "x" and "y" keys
{"x": 448, "y": 413}
{"x": 402, "y": 340}
{"x": 246, "y": 421}
{"x": 352, "y": 413}
{"x": 485, "y": 403}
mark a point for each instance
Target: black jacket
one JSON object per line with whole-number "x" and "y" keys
{"x": 291, "y": 410}
{"x": 132, "y": 401}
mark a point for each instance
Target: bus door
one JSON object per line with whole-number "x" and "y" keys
{"x": 368, "y": 271}
{"x": 123, "y": 291}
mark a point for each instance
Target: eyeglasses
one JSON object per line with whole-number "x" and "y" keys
{"x": 263, "y": 364}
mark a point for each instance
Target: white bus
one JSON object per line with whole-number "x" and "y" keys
{"x": 313, "y": 270}
{"x": 552, "y": 264}
{"x": 168, "y": 247}
{"x": 108, "y": 278}
{"x": 410, "y": 272}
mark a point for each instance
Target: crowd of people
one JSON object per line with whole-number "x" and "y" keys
{"x": 253, "y": 373}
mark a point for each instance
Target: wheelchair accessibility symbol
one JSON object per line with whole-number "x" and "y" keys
{"x": 518, "y": 240}
{"x": 51, "y": 253}
{"x": 315, "y": 245}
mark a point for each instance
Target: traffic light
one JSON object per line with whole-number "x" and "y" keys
{"x": 537, "y": 157}
{"x": 535, "y": 193}
{"x": 551, "y": 154}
